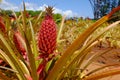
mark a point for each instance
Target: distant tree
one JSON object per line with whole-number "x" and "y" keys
{"x": 9, "y": 12}
{"x": 103, "y": 7}
{"x": 118, "y": 2}
{"x": 17, "y": 13}
{"x": 33, "y": 13}
{"x": 57, "y": 17}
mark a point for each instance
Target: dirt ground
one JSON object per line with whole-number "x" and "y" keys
{"x": 111, "y": 57}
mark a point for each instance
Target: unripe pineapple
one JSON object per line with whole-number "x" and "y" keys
{"x": 47, "y": 34}
{"x": 18, "y": 41}
{"x": 2, "y": 25}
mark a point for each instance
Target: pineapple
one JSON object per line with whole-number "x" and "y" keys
{"x": 47, "y": 34}
{"x": 18, "y": 41}
{"x": 2, "y": 25}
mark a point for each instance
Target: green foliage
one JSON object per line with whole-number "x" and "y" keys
{"x": 57, "y": 17}
{"x": 18, "y": 13}
{"x": 33, "y": 13}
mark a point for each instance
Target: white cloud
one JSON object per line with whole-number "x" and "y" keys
{"x": 42, "y": 7}
{"x": 69, "y": 13}
{"x": 31, "y": 6}
{"x": 56, "y": 10}
{"x": 8, "y": 6}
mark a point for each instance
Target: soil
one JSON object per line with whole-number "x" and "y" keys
{"x": 111, "y": 57}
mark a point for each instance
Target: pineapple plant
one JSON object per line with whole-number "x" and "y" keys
{"x": 47, "y": 38}
{"x": 39, "y": 60}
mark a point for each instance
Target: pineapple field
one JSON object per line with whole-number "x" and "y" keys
{"x": 45, "y": 47}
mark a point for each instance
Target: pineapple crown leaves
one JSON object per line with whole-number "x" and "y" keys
{"x": 49, "y": 11}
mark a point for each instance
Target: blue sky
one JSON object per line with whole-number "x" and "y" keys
{"x": 69, "y": 7}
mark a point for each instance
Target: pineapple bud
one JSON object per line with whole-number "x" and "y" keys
{"x": 18, "y": 41}
{"x": 47, "y": 34}
{"x": 2, "y": 25}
